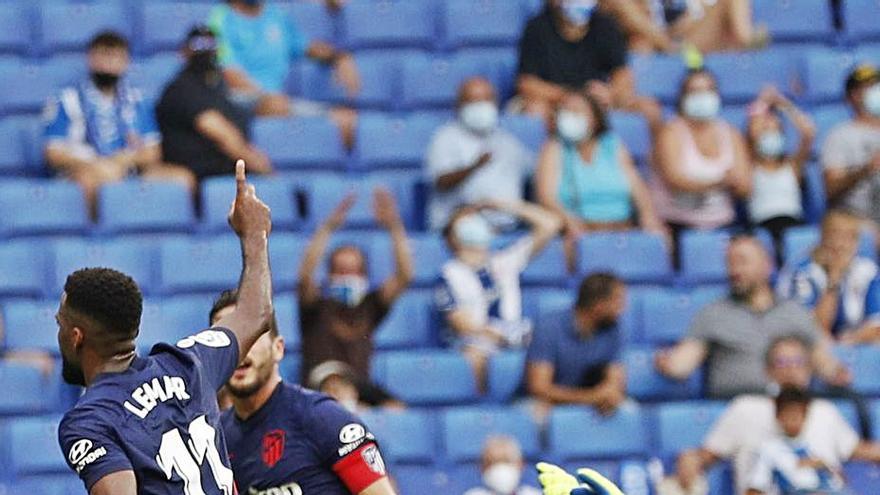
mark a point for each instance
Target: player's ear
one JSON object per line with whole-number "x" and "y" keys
{"x": 77, "y": 338}
{"x": 278, "y": 349}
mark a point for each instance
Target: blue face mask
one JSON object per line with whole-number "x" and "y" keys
{"x": 771, "y": 144}
{"x": 473, "y": 231}
{"x": 578, "y": 12}
{"x": 347, "y": 289}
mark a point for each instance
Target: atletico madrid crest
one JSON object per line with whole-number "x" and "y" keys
{"x": 273, "y": 447}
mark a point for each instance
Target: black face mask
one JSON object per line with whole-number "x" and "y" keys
{"x": 104, "y": 80}
{"x": 72, "y": 373}
{"x": 203, "y": 62}
{"x": 606, "y": 323}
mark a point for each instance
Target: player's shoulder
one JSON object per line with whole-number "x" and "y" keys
{"x": 89, "y": 416}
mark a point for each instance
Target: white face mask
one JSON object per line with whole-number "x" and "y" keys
{"x": 771, "y": 144}
{"x": 473, "y": 231}
{"x": 702, "y": 105}
{"x": 872, "y": 100}
{"x": 502, "y": 478}
{"x": 480, "y": 117}
{"x": 572, "y": 127}
{"x": 348, "y": 289}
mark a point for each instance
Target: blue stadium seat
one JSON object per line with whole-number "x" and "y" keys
{"x": 742, "y": 75}
{"x": 69, "y": 26}
{"x": 875, "y": 418}
{"x": 645, "y": 383}
{"x": 634, "y": 256}
{"x": 199, "y": 264}
{"x": 16, "y": 28}
{"x": 827, "y": 117}
{"x": 658, "y": 76}
{"x": 484, "y": 22}
{"x": 429, "y": 255}
{"x": 327, "y": 191}
{"x": 378, "y": 73}
{"x": 166, "y": 24}
{"x": 431, "y": 479}
{"x": 44, "y": 484}
{"x": 133, "y": 257}
{"x": 505, "y": 376}
{"x": 31, "y": 324}
{"x": 859, "y": 19}
{"x": 24, "y": 389}
{"x": 29, "y": 83}
{"x": 499, "y": 64}
{"x": 279, "y": 194}
{"x": 684, "y": 425}
{"x": 313, "y": 18}
{"x": 406, "y": 436}
{"x": 548, "y": 267}
{"x": 285, "y": 254}
{"x": 433, "y": 82}
{"x": 528, "y": 129}
{"x": 300, "y": 143}
{"x": 862, "y": 477}
{"x": 170, "y": 319}
{"x": 798, "y": 241}
{"x": 396, "y": 23}
{"x": 864, "y": 363}
{"x": 667, "y": 314}
{"x": 633, "y": 130}
{"x": 61, "y": 208}
{"x": 465, "y": 430}
{"x": 145, "y": 206}
{"x": 429, "y": 377}
{"x": 151, "y": 75}
{"x": 814, "y": 199}
{"x": 385, "y": 141}
{"x": 801, "y": 20}
{"x": 34, "y": 442}
{"x": 823, "y": 73}
{"x": 290, "y": 367}
{"x": 16, "y": 143}
{"x": 22, "y": 269}
{"x": 408, "y": 324}
{"x": 287, "y": 317}
{"x": 703, "y": 254}
{"x": 622, "y": 434}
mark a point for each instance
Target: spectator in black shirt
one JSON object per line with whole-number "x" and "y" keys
{"x": 571, "y": 45}
{"x": 201, "y": 128}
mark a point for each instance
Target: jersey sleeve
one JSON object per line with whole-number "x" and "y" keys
{"x": 90, "y": 446}
{"x": 872, "y": 302}
{"x": 56, "y": 121}
{"x": 215, "y": 353}
{"x": 146, "y": 124}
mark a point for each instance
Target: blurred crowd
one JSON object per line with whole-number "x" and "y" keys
{"x": 766, "y": 344}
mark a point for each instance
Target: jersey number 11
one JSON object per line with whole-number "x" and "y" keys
{"x": 187, "y": 459}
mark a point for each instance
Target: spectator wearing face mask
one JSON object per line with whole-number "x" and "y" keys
{"x": 100, "y": 130}
{"x": 202, "y": 129}
{"x": 339, "y": 316}
{"x": 851, "y": 153}
{"x": 702, "y": 161}
{"x": 775, "y": 203}
{"x": 479, "y": 293}
{"x": 471, "y": 159}
{"x": 572, "y": 46}
{"x": 501, "y": 466}
{"x": 586, "y": 175}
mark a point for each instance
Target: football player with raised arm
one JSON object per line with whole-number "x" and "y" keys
{"x": 151, "y": 425}
{"x": 287, "y": 440}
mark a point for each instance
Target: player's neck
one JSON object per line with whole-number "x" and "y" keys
{"x": 115, "y": 364}
{"x": 245, "y": 407}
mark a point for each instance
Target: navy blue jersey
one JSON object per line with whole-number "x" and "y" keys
{"x": 301, "y": 442}
{"x": 159, "y": 418}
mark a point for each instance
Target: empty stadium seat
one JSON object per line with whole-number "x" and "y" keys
{"x": 499, "y": 64}
{"x": 70, "y": 26}
{"x": 133, "y": 257}
{"x": 801, "y": 20}
{"x": 199, "y": 264}
{"x": 313, "y": 18}
{"x": 875, "y": 418}
{"x": 16, "y": 28}
{"x": 433, "y": 82}
{"x": 327, "y": 192}
{"x": 482, "y": 22}
{"x": 814, "y": 198}
{"x": 864, "y": 364}
{"x": 290, "y": 367}
{"x": 859, "y": 19}
{"x": 151, "y": 75}
{"x": 797, "y": 242}
{"x": 300, "y": 142}
{"x": 30, "y": 325}
{"x": 34, "y": 441}
{"x": 684, "y": 425}
{"x": 279, "y": 195}
{"x": 530, "y": 130}
{"x": 667, "y": 314}
{"x": 43, "y": 484}
{"x": 703, "y": 254}
{"x": 378, "y": 75}
{"x": 406, "y": 436}
{"x": 505, "y": 375}
{"x": 170, "y": 319}
{"x": 166, "y": 24}
{"x": 427, "y": 377}
{"x": 371, "y": 24}
{"x": 465, "y": 430}
{"x": 622, "y": 434}
{"x": 862, "y": 477}
{"x": 285, "y": 254}
{"x": 429, "y": 254}
{"x": 16, "y": 141}
{"x": 634, "y": 256}
{"x": 385, "y": 141}
{"x": 633, "y": 130}
{"x": 33, "y": 206}
{"x": 432, "y": 479}
{"x": 24, "y": 389}
{"x": 823, "y": 73}
{"x": 549, "y": 267}
{"x": 29, "y": 83}
{"x": 827, "y": 117}
{"x": 22, "y": 269}
{"x": 287, "y": 316}
{"x": 742, "y": 75}
{"x": 408, "y": 324}
{"x": 658, "y": 76}
{"x": 645, "y": 383}
{"x": 145, "y": 206}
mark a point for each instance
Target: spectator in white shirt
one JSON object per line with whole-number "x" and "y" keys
{"x": 501, "y": 466}
{"x": 479, "y": 293}
{"x": 471, "y": 159}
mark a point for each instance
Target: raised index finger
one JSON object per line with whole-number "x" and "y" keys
{"x": 240, "y": 178}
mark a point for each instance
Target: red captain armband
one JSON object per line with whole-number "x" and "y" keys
{"x": 361, "y": 468}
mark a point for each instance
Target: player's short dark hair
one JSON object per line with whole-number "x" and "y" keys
{"x": 108, "y": 39}
{"x": 596, "y": 287}
{"x": 229, "y": 297}
{"x": 796, "y": 339}
{"x": 107, "y": 296}
{"x": 792, "y": 396}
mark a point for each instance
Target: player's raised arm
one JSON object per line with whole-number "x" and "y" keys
{"x": 251, "y": 221}
{"x": 118, "y": 483}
